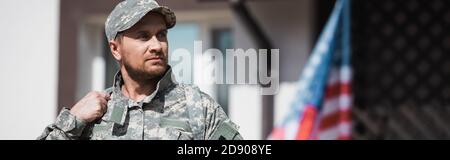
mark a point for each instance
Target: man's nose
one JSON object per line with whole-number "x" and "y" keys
{"x": 155, "y": 45}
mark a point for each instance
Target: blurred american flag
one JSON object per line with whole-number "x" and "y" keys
{"x": 322, "y": 107}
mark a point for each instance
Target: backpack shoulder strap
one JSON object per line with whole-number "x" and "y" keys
{"x": 109, "y": 90}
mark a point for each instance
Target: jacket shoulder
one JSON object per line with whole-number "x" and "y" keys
{"x": 197, "y": 95}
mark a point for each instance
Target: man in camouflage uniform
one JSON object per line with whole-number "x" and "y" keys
{"x": 145, "y": 101}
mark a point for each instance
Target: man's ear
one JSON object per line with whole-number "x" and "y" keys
{"x": 115, "y": 47}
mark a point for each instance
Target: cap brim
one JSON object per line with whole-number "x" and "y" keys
{"x": 168, "y": 15}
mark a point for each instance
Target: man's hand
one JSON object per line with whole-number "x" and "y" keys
{"x": 91, "y": 107}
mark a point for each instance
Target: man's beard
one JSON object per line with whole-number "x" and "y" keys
{"x": 140, "y": 74}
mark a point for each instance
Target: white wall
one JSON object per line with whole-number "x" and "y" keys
{"x": 245, "y": 110}
{"x": 28, "y": 64}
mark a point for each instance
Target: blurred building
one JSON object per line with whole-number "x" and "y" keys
{"x": 64, "y": 45}
{"x": 218, "y": 24}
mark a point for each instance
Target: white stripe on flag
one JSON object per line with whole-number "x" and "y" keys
{"x": 342, "y": 129}
{"x": 291, "y": 129}
{"x": 335, "y": 104}
{"x": 346, "y": 74}
{"x": 343, "y": 75}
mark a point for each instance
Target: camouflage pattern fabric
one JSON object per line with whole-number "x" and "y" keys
{"x": 173, "y": 112}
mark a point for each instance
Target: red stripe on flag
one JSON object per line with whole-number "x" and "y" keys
{"x": 307, "y": 123}
{"x": 337, "y": 89}
{"x": 342, "y": 137}
{"x": 334, "y": 119}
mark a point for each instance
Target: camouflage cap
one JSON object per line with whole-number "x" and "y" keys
{"x": 127, "y": 13}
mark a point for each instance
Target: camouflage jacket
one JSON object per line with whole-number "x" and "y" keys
{"x": 174, "y": 111}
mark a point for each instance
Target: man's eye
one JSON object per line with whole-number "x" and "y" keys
{"x": 162, "y": 34}
{"x": 143, "y": 36}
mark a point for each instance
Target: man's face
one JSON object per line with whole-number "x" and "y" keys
{"x": 143, "y": 48}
